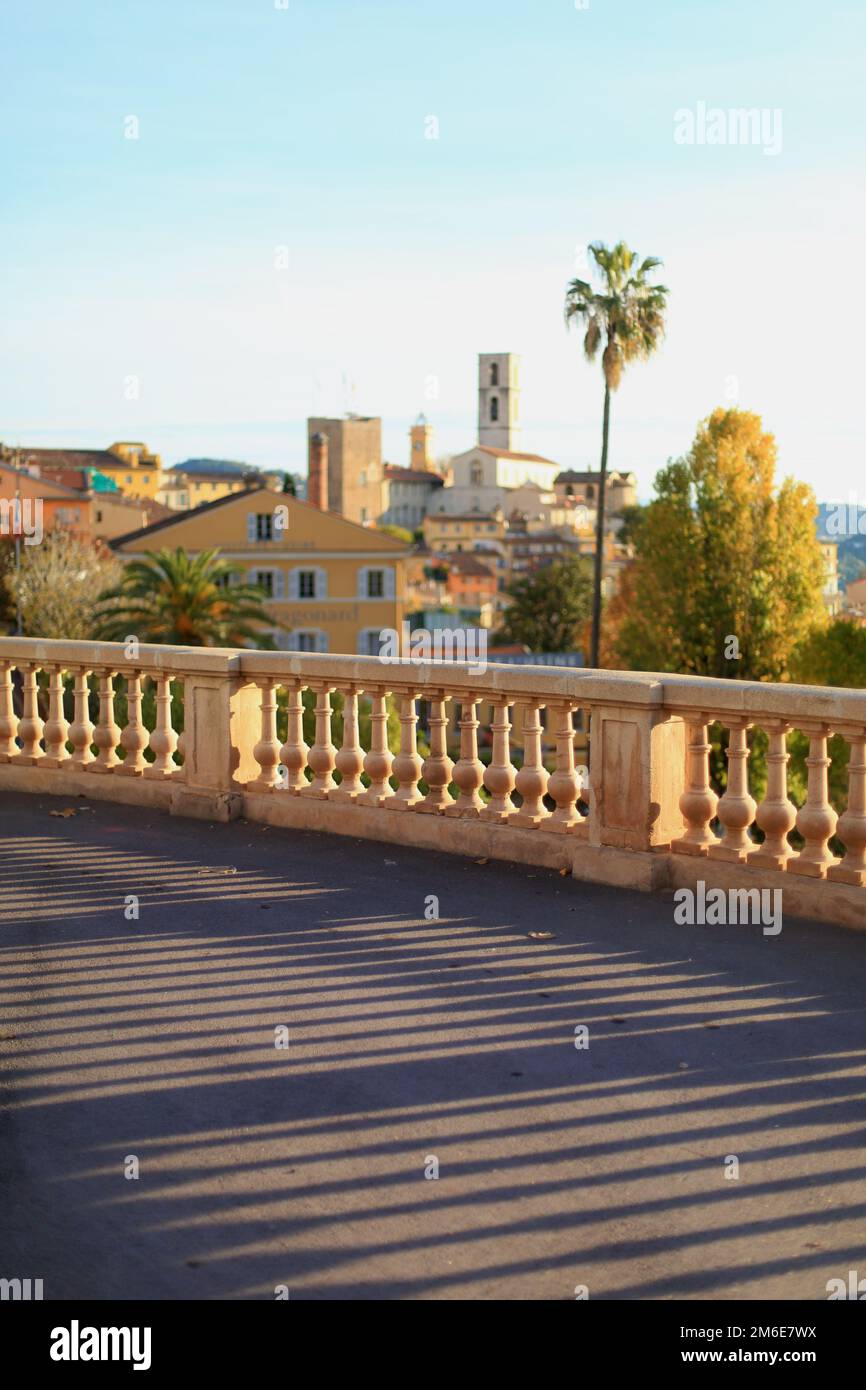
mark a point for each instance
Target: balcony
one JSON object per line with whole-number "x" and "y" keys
{"x": 330, "y": 1000}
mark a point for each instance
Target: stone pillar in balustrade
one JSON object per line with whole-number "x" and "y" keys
{"x": 852, "y": 825}
{"x": 737, "y": 807}
{"x": 222, "y": 725}
{"x": 637, "y": 766}
{"x": 698, "y": 803}
{"x": 816, "y": 819}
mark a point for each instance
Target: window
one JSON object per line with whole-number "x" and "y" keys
{"x": 308, "y": 640}
{"x": 129, "y": 479}
{"x": 364, "y": 516}
{"x": 362, "y": 478}
{"x": 98, "y": 518}
{"x": 375, "y": 584}
{"x": 265, "y": 580}
{"x": 264, "y": 526}
{"x": 494, "y": 407}
{"x": 494, "y": 373}
{"x": 369, "y": 641}
{"x": 476, "y": 475}
{"x": 307, "y": 589}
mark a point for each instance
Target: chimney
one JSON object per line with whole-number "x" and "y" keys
{"x": 317, "y": 472}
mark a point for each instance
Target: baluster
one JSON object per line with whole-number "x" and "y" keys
{"x": 437, "y": 769}
{"x": 816, "y": 820}
{"x": 293, "y": 753}
{"x": 267, "y": 750}
{"x": 500, "y": 777}
{"x": 134, "y": 738}
{"x": 323, "y": 754}
{"x": 776, "y": 814}
{"x": 852, "y": 825}
{"x": 698, "y": 803}
{"x": 81, "y": 729}
{"x": 736, "y": 807}
{"x": 106, "y": 735}
{"x": 407, "y": 764}
{"x": 163, "y": 740}
{"x": 8, "y": 717}
{"x": 30, "y": 726}
{"x": 469, "y": 769}
{"x": 377, "y": 763}
{"x": 564, "y": 785}
{"x": 350, "y": 759}
{"x": 56, "y": 728}
{"x": 531, "y": 781}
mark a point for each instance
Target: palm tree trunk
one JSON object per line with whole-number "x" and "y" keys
{"x": 599, "y": 534}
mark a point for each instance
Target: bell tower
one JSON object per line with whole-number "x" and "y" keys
{"x": 420, "y": 454}
{"x": 498, "y": 400}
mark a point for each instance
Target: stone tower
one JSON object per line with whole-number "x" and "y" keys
{"x": 498, "y": 398}
{"x": 420, "y": 455}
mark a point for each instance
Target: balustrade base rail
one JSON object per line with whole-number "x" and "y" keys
{"x": 635, "y": 870}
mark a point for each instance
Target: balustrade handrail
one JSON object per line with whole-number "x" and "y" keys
{"x": 679, "y": 694}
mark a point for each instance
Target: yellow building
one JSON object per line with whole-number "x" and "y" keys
{"x": 136, "y": 471}
{"x": 472, "y": 531}
{"x": 332, "y": 585}
{"x": 201, "y": 480}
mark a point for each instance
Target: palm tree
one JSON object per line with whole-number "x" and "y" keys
{"x": 628, "y": 313}
{"x": 182, "y": 599}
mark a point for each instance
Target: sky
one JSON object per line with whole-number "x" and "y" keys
{"x": 218, "y": 217}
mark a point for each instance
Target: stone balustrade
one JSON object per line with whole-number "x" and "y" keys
{"x": 649, "y": 817}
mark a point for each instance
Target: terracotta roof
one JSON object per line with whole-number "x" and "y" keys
{"x": 511, "y": 454}
{"x": 463, "y": 516}
{"x": 468, "y": 563}
{"x": 174, "y": 517}
{"x": 71, "y": 458}
{"x": 57, "y": 489}
{"x": 412, "y": 475}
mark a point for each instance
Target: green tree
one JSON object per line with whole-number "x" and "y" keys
{"x": 728, "y": 571}
{"x": 187, "y": 600}
{"x": 627, "y": 315}
{"x": 833, "y": 655}
{"x": 548, "y": 607}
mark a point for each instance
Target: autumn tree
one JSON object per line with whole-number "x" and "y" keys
{"x": 59, "y": 583}
{"x": 728, "y": 571}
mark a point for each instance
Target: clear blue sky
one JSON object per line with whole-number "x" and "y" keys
{"x": 304, "y": 128}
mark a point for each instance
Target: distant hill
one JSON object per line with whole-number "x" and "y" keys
{"x": 228, "y": 466}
